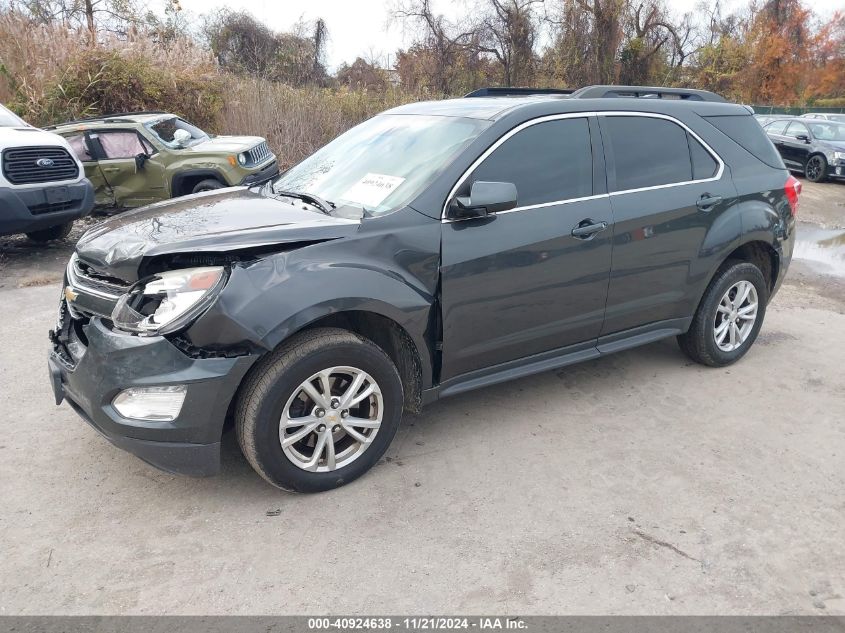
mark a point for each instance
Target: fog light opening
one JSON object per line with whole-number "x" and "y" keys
{"x": 154, "y": 404}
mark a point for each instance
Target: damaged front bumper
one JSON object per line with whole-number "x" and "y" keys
{"x": 90, "y": 364}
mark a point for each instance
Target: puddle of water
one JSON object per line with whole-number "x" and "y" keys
{"x": 824, "y": 248}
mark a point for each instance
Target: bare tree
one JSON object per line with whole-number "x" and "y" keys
{"x": 509, "y": 32}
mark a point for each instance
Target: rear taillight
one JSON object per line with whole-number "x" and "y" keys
{"x": 792, "y": 188}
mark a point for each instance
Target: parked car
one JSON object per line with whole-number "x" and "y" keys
{"x": 436, "y": 248}
{"x": 43, "y": 188}
{"x": 813, "y": 147}
{"x": 828, "y": 116}
{"x": 138, "y": 158}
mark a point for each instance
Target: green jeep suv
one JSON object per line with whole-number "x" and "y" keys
{"x": 138, "y": 158}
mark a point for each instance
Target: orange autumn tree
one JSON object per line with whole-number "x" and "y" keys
{"x": 827, "y": 75}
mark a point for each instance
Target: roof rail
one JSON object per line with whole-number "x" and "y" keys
{"x": 516, "y": 92}
{"x": 117, "y": 117}
{"x": 646, "y": 92}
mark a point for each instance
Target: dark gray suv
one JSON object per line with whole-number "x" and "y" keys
{"x": 436, "y": 248}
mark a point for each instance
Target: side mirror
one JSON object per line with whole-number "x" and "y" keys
{"x": 140, "y": 160}
{"x": 803, "y": 137}
{"x": 484, "y": 198}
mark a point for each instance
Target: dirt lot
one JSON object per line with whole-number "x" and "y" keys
{"x": 637, "y": 483}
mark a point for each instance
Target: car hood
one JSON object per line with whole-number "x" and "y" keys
{"x": 217, "y": 221}
{"x": 29, "y": 136}
{"x": 837, "y": 145}
{"x": 232, "y": 144}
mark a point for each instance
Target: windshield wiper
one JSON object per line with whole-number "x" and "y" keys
{"x": 316, "y": 201}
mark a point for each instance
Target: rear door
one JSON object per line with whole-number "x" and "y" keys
{"x": 78, "y": 141}
{"x": 796, "y": 150}
{"x": 667, "y": 190}
{"x": 518, "y": 283}
{"x": 133, "y": 183}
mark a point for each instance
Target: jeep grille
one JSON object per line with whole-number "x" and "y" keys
{"x": 20, "y": 165}
{"x": 259, "y": 154}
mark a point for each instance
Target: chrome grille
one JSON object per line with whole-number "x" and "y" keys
{"x": 26, "y": 165}
{"x": 84, "y": 278}
{"x": 259, "y": 153}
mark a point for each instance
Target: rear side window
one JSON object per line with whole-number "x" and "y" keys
{"x": 647, "y": 152}
{"x": 547, "y": 162}
{"x": 746, "y": 132}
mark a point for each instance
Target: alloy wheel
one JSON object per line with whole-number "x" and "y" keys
{"x": 331, "y": 419}
{"x": 814, "y": 168}
{"x": 735, "y": 316}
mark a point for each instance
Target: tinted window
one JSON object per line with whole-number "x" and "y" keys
{"x": 778, "y": 127}
{"x": 703, "y": 163}
{"x": 647, "y": 152}
{"x": 743, "y": 130}
{"x": 796, "y": 128}
{"x": 547, "y": 162}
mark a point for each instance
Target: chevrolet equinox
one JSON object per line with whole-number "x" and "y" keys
{"x": 435, "y": 248}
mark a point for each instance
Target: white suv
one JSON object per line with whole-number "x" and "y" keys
{"x": 43, "y": 187}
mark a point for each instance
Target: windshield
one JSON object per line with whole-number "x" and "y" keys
{"x": 166, "y": 131}
{"x": 381, "y": 164}
{"x": 7, "y": 119}
{"x": 828, "y": 130}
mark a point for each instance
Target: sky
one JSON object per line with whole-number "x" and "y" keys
{"x": 364, "y": 27}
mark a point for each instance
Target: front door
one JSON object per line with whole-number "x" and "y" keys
{"x": 518, "y": 283}
{"x": 797, "y": 149}
{"x": 667, "y": 191}
{"x": 133, "y": 182}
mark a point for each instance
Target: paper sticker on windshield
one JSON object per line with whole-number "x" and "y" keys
{"x": 372, "y": 189}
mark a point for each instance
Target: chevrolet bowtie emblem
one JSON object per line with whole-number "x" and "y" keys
{"x": 70, "y": 293}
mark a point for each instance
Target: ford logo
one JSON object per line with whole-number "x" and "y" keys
{"x": 45, "y": 162}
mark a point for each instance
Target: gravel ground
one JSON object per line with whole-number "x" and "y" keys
{"x": 638, "y": 483}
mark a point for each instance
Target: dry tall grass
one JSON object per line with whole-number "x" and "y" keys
{"x": 296, "y": 121}
{"x": 71, "y": 78}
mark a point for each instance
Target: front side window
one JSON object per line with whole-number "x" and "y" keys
{"x": 796, "y": 129}
{"x": 176, "y": 133}
{"x": 383, "y": 163}
{"x": 120, "y": 144}
{"x": 778, "y": 127}
{"x": 548, "y": 162}
{"x": 647, "y": 152}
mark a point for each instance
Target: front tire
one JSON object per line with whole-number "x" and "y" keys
{"x": 816, "y": 168}
{"x": 729, "y": 316}
{"x": 58, "y": 232}
{"x": 319, "y": 411}
{"x": 209, "y": 184}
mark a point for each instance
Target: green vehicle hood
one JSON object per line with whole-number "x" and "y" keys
{"x": 227, "y": 144}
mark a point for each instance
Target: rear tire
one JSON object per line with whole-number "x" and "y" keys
{"x": 58, "y": 232}
{"x": 710, "y": 339}
{"x": 209, "y": 184}
{"x": 275, "y": 395}
{"x": 816, "y": 168}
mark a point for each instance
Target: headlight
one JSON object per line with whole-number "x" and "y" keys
{"x": 242, "y": 158}
{"x": 168, "y": 301}
{"x": 839, "y": 155}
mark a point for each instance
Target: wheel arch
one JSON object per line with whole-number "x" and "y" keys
{"x": 183, "y": 182}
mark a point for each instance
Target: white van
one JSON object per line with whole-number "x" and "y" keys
{"x": 43, "y": 187}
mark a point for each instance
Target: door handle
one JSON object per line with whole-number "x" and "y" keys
{"x": 588, "y": 228}
{"x": 707, "y": 202}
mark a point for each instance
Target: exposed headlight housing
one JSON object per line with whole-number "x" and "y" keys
{"x": 168, "y": 301}
{"x": 242, "y": 158}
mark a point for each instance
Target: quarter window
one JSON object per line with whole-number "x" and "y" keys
{"x": 548, "y": 162}
{"x": 703, "y": 163}
{"x": 647, "y": 152}
{"x": 79, "y": 147}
